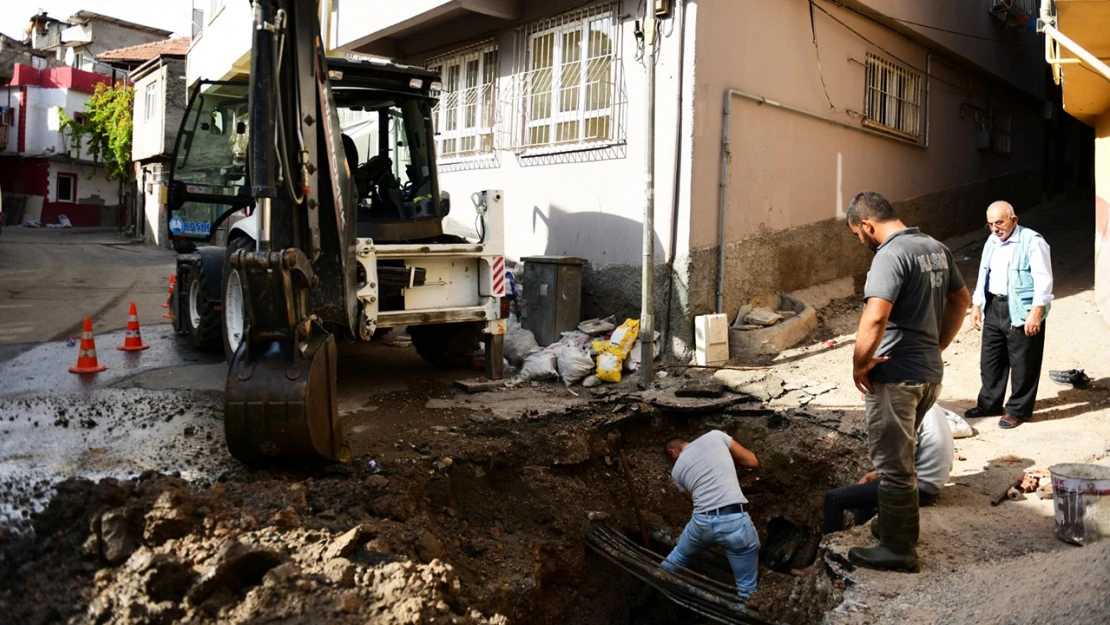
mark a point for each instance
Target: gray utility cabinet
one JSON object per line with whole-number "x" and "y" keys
{"x": 553, "y": 296}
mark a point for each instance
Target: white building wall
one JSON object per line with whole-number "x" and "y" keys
{"x": 149, "y": 131}
{"x": 223, "y": 49}
{"x": 92, "y": 187}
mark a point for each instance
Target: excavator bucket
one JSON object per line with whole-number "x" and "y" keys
{"x": 281, "y": 407}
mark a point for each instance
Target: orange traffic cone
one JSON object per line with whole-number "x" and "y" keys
{"x": 134, "y": 339}
{"x": 86, "y": 357}
{"x": 169, "y": 298}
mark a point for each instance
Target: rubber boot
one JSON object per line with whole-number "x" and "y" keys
{"x": 898, "y": 527}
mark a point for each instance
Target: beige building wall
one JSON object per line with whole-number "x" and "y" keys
{"x": 1102, "y": 215}
{"x": 791, "y": 177}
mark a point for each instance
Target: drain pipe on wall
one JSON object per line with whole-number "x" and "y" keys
{"x": 647, "y": 279}
{"x": 680, "y": 6}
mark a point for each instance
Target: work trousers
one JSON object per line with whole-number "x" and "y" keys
{"x": 894, "y": 412}
{"x": 862, "y": 499}
{"x": 734, "y": 532}
{"x": 1007, "y": 353}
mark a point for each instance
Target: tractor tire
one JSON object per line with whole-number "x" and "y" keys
{"x": 447, "y": 346}
{"x": 202, "y": 317}
{"x": 233, "y": 322}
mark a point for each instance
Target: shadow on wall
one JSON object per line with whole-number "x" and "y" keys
{"x": 613, "y": 245}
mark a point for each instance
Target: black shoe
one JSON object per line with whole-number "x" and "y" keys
{"x": 1073, "y": 377}
{"x": 977, "y": 412}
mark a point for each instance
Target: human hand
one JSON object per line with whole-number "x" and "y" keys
{"x": 859, "y": 374}
{"x": 1033, "y": 321}
{"x": 977, "y": 317}
{"x": 868, "y": 477}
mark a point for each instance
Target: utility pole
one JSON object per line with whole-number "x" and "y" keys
{"x": 647, "y": 296}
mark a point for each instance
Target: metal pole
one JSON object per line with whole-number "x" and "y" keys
{"x": 647, "y": 296}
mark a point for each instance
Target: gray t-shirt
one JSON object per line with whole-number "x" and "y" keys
{"x": 706, "y": 470}
{"x": 915, "y": 273}
{"x": 935, "y": 447}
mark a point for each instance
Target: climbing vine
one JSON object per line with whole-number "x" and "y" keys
{"x": 106, "y": 129}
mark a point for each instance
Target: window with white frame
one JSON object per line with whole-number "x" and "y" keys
{"x": 214, "y": 8}
{"x": 466, "y": 113}
{"x": 150, "y": 101}
{"x": 568, "y": 87}
{"x": 892, "y": 99}
{"x": 1000, "y": 131}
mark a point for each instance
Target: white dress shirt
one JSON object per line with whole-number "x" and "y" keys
{"x": 998, "y": 281}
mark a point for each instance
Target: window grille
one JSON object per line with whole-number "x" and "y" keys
{"x": 465, "y": 115}
{"x": 1000, "y": 131}
{"x": 892, "y": 100}
{"x": 566, "y": 90}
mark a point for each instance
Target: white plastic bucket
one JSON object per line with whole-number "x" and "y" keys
{"x": 1078, "y": 490}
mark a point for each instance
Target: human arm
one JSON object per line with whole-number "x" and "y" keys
{"x": 872, "y": 326}
{"x": 868, "y": 477}
{"x": 742, "y": 456}
{"x": 955, "y": 309}
{"x": 979, "y": 299}
{"x": 1040, "y": 266}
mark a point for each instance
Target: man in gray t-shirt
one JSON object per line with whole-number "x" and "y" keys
{"x": 705, "y": 472}
{"x": 916, "y": 302}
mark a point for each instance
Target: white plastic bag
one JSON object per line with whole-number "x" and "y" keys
{"x": 960, "y": 428}
{"x": 518, "y": 343}
{"x": 574, "y": 364}
{"x": 540, "y": 365}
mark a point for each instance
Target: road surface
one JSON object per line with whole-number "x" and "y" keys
{"x": 51, "y": 279}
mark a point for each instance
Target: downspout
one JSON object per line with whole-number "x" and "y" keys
{"x": 647, "y": 284}
{"x": 928, "y": 82}
{"x": 1047, "y": 25}
{"x": 722, "y": 212}
{"x": 672, "y": 251}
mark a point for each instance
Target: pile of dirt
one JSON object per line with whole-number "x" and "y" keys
{"x": 156, "y": 551}
{"x": 480, "y": 519}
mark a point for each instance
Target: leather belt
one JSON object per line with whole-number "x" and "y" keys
{"x": 735, "y": 508}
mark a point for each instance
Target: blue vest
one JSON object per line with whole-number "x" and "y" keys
{"x": 1020, "y": 282}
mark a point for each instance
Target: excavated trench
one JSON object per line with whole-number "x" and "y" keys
{"x": 507, "y": 511}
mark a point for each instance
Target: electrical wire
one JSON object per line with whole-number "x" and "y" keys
{"x": 888, "y": 52}
{"x": 871, "y": 15}
{"x": 817, "y": 51}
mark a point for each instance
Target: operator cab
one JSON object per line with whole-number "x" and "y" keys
{"x": 385, "y": 115}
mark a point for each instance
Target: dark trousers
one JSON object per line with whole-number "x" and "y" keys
{"x": 1008, "y": 354}
{"x": 863, "y": 499}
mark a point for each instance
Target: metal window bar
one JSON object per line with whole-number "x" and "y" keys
{"x": 1000, "y": 132}
{"x": 892, "y": 99}
{"x": 567, "y": 92}
{"x": 465, "y": 115}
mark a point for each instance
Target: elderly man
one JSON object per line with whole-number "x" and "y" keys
{"x": 705, "y": 472}
{"x": 916, "y": 302}
{"x": 1011, "y": 302}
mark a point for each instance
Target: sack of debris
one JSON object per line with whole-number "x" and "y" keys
{"x": 960, "y": 428}
{"x": 574, "y": 364}
{"x": 632, "y": 363}
{"x": 609, "y": 363}
{"x": 596, "y": 327}
{"x": 518, "y": 342}
{"x": 540, "y": 364}
{"x": 625, "y": 337}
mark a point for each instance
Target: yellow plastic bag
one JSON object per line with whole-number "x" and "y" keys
{"x": 609, "y": 364}
{"x": 625, "y": 337}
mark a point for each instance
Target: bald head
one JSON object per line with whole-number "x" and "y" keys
{"x": 1001, "y": 220}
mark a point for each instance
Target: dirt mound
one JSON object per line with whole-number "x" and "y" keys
{"x": 154, "y": 551}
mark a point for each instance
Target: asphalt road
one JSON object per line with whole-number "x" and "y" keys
{"x": 51, "y": 279}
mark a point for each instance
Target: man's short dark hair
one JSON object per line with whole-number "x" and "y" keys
{"x": 673, "y": 443}
{"x": 870, "y": 205}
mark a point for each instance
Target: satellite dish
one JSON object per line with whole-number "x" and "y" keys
{"x": 70, "y": 57}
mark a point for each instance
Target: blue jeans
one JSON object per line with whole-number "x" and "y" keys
{"x": 734, "y": 532}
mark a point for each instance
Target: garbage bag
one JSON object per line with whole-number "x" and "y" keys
{"x": 574, "y": 364}
{"x": 518, "y": 342}
{"x": 540, "y": 365}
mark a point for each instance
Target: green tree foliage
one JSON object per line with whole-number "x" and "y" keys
{"x": 106, "y": 129}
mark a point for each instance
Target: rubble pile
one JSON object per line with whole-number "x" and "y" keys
{"x": 154, "y": 551}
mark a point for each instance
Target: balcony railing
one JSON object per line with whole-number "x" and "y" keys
{"x": 51, "y": 39}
